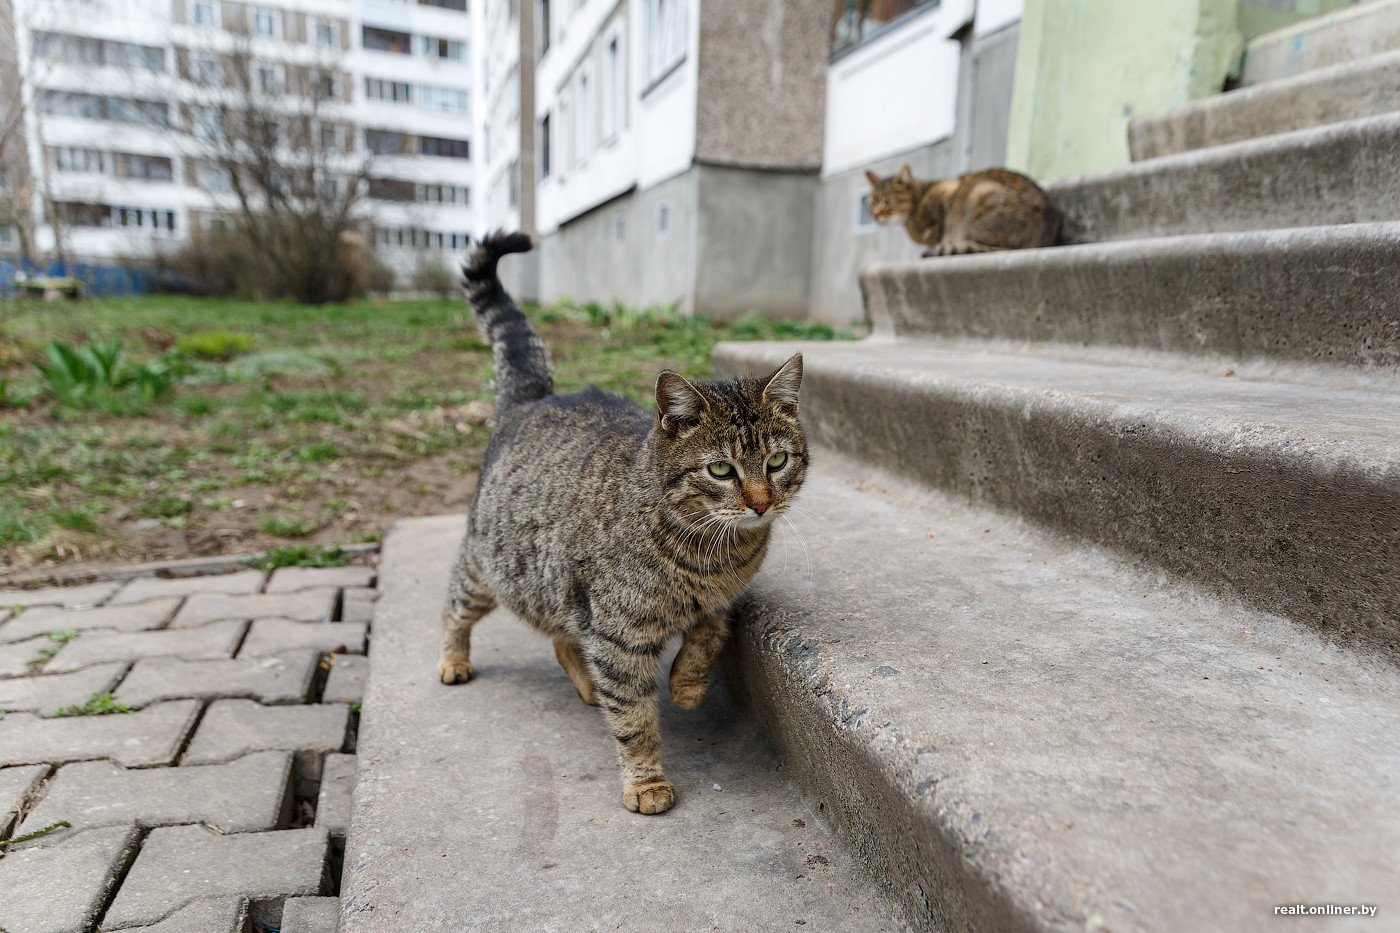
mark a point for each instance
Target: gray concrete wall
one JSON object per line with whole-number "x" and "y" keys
{"x": 840, "y": 250}
{"x": 585, "y": 260}
{"x": 755, "y": 241}
{"x": 762, "y": 83}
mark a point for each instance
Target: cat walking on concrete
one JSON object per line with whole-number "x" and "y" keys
{"x": 611, "y": 529}
{"x": 980, "y": 212}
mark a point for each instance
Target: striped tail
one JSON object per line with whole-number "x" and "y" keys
{"x": 524, "y": 370}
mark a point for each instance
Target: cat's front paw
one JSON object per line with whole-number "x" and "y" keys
{"x": 688, "y": 692}
{"x": 454, "y": 670}
{"x": 650, "y": 797}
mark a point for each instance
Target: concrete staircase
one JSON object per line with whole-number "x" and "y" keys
{"x": 1099, "y": 618}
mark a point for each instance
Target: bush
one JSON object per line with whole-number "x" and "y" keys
{"x": 381, "y": 277}
{"x": 215, "y": 345}
{"x": 433, "y": 275}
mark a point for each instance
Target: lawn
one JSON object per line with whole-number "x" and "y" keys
{"x": 228, "y": 426}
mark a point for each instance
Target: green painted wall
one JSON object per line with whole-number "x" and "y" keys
{"x": 1084, "y": 68}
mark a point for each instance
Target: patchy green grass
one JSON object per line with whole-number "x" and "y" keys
{"x": 99, "y": 704}
{"x": 282, "y": 425}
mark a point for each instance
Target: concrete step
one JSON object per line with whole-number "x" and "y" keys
{"x": 496, "y": 805}
{"x": 1276, "y": 295}
{"x": 1342, "y": 173}
{"x": 1022, "y": 734}
{"x": 1349, "y": 91}
{"x": 1286, "y": 496}
{"x": 1347, "y": 35}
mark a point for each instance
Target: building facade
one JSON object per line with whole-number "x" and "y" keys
{"x": 120, "y": 126}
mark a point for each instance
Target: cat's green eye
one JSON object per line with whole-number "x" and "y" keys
{"x": 777, "y": 461}
{"x": 721, "y": 470}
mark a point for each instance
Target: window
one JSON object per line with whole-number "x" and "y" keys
{"x": 386, "y": 40}
{"x": 865, "y": 221}
{"x": 612, "y": 90}
{"x": 458, "y": 5}
{"x": 449, "y": 50}
{"x": 513, "y": 181}
{"x": 446, "y": 148}
{"x": 269, "y": 82}
{"x": 204, "y": 14}
{"x": 330, "y": 137}
{"x": 620, "y": 227}
{"x": 663, "y": 218}
{"x": 207, "y": 71}
{"x": 214, "y": 178}
{"x": 96, "y": 107}
{"x": 327, "y": 33}
{"x": 384, "y": 142}
{"x": 78, "y": 214}
{"x": 266, "y": 23}
{"x": 326, "y": 86}
{"x": 72, "y": 159}
{"x": 148, "y": 168}
{"x": 208, "y": 124}
{"x": 80, "y": 50}
{"x": 544, "y": 147}
{"x": 666, "y": 25}
{"x": 444, "y": 99}
{"x": 858, "y": 20}
{"x": 544, "y": 27}
{"x": 393, "y": 91}
{"x": 583, "y": 130}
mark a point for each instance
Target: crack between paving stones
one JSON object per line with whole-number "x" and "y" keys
{"x": 119, "y": 876}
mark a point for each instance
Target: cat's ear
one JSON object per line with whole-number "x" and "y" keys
{"x": 906, "y": 174}
{"x": 783, "y": 387}
{"x": 872, "y": 178}
{"x": 679, "y": 403}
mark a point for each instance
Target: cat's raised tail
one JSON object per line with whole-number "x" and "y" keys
{"x": 524, "y": 370}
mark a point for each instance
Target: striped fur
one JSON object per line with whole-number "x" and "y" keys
{"x": 981, "y": 212}
{"x": 605, "y": 527}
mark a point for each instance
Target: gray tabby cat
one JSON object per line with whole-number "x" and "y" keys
{"x": 611, "y": 529}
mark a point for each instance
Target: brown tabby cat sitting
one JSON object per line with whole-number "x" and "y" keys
{"x": 611, "y": 529}
{"x": 980, "y": 212}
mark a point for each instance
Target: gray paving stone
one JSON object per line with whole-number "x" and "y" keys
{"x": 216, "y": 915}
{"x": 346, "y": 683}
{"x": 279, "y": 678}
{"x": 137, "y": 617}
{"x": 232, "y": 728}
{"x": 243, "y": 582}
{"x": 310, "y": 915}
{"x": 245, "y": 795}
{"x": 290, "y": 579}
{"x": 334, "y": 799}
{"x": 147, "y": 738}
{"x": 181, "y": 864}
{"x": 208, "y": 641}
{"x": 14, "y": 659}
{"x": 315, "y": 605}
{"x": 357, "y": 604}
{"x": 61, "y": 887}
{"x": 272, "y": 636}
{"x": 47, "y": 693}
{"x": 93, "y": 594}
{"x": 15, "y": 784}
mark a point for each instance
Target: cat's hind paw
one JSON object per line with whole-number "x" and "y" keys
{"x": 650, "y": 797}
{"x": 688, "y": 693}
{"x": 454, "y": 670}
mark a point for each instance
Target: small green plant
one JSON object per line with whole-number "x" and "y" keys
{"x": 95, "y": 376}
{"x": 99, "y": 704}
{"x": 318, "y": 452}
{"x": 303, "y": 555}
{"x": 284, "y": 525}
{"x": 76, "y": 520}
{"x": 169, "y": 507}
{"x": 46, "y": 654}
{"x": 217, "y": 345}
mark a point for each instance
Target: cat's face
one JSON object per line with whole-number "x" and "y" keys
{"x": 891, "y": 198}
{"x": 731, "y": 453}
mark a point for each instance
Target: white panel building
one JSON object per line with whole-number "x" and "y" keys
{"x": 112, "y": 124}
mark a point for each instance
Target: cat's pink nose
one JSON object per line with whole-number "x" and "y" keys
{"x": 760, "y": 506}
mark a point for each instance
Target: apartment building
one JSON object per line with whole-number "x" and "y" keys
{"x": 121, "y": 116}
{"x": 674, "y": 139}
{"x": 508, "y": 130}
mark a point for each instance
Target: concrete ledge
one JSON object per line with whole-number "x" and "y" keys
{"x": 1285, "y": 495}
{"x": 1346, "y": 35}
{"x": 1343, "y": 173}
{"x": 1266, "y": 295}
{"x": 1349, "y": 91}
{"x": 1022, "y": 735}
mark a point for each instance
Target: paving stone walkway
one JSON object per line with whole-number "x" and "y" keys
{"x": 219, "y": 801}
